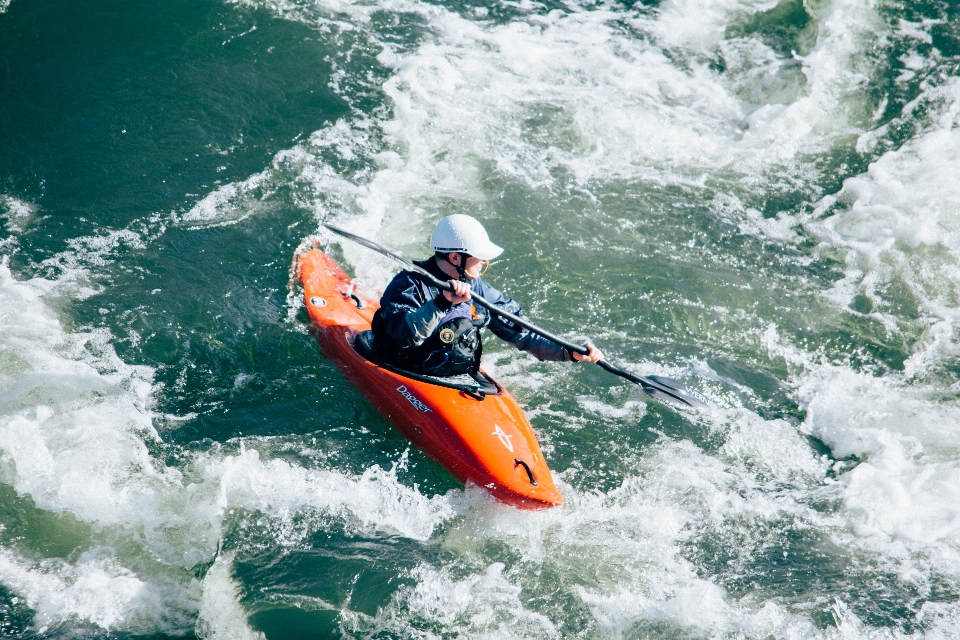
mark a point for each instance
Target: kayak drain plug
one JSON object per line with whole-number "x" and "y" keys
{"x": 517, "y": 462}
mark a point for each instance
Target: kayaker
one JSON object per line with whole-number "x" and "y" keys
{"x": 420, "y": 328}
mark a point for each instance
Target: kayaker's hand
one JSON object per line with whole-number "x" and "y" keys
{"x": 460, "y": 293}
{"x": 595, "y": 354}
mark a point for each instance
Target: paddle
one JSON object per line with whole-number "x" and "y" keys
{"x": 657, "y": 387}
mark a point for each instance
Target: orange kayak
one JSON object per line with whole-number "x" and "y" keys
{"x": 472, "y": 426}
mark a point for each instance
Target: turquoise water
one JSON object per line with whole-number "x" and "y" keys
{"x": 758, "y": 198}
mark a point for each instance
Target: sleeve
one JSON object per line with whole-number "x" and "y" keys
{"x": 524, "y": 340}
{"x": 409, "y": 317}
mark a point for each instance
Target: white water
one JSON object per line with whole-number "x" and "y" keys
{"x": 612, "y": 107}
{"x": 568, "y": 92}
{"x": 75, "y": 432}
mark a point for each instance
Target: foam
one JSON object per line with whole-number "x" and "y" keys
{"x": 93, "y": 414}
{"x": 75, "y": 424}
{"x": 614, "y": 90}
{"x": 898, "y": 474}
{"x": 84, "y": 255}
{"x": 828, "y": 105}
{"x": 568, "y": 94}
{"x": 16, "y": 211}
{"x": 372, "y": 501}
{"x": 18, "y": 214}
{"x": 906, "y": 489}
{"x": 697, "y": 609}
{"x": 632, "y": 410}
{"x": 900, "y": 222}
{"x": 232, "y": 203}
{"x": 701, "y": 25}
{"x": 95, "y": 590}
{"x": 74, "y": 420}
{"x": 617, "y": 554}
{"x": 484, "y": 605}
{"x": 220, "y": 614}
{"x": 574, "y": 90}
{"x": 575, "y": 94}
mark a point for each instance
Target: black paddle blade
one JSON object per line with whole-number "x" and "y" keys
{"x": 667, "y": 391}
{"x": 672, "y": 392}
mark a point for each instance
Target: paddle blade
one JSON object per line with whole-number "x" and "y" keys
{"x": 665, "y": 390}
{"x": 672, "y": 392}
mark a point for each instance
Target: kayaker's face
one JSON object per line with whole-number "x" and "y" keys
{"x": 474, "y": 267}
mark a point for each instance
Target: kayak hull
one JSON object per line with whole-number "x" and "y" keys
{"x": 484, "y": 440}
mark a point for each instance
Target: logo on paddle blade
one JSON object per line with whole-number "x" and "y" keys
{"x": 504, "y": 437}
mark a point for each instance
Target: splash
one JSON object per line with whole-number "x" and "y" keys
{"x": 76, "y": 436}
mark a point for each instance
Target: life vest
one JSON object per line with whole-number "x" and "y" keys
{"x": 453, "y": 348}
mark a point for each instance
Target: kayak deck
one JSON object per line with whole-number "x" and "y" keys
{"x": 477, "y": 384}
{"x": 480, "y": 434}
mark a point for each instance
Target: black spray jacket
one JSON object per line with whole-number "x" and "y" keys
{"x": 413, "y": 313}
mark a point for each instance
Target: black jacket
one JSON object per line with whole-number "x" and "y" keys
{"x": 412, "y": 310}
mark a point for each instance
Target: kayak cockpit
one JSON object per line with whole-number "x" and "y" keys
{"x": 477, "y": 385}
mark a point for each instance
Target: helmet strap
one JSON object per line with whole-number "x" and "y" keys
{"x": 462, "y": 267}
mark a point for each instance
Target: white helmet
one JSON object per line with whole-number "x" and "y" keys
{"x": 462, "y": 234}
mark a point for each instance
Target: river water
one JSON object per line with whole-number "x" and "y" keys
{"x": 758, "y": 198}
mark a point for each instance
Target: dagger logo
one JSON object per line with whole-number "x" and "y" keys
{"x": 504, "y": 437}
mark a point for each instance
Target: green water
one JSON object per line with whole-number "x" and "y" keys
{"x": 757, "y": 198}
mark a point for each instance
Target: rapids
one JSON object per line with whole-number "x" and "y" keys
{"x": 760, "y": 198}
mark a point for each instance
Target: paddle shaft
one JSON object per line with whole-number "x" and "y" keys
{"x": 644, "y": 382}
